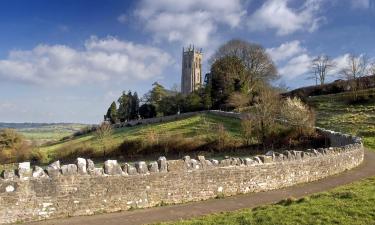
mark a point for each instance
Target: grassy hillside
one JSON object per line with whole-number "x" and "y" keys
{"x": 333, "y": 112}
{"x": 197, "y": 128}
{"x": 350, "y": 204}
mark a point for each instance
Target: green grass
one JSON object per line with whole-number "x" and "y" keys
{"x": 197, "y": 126}
{"x": 351, "y": 204}
{"x": 334, "y": 113}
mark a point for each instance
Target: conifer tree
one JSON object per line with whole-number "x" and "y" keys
{"x": 112, "y": 113}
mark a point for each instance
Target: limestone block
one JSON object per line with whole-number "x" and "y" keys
{"x": 176, "y": 165}
{"x": 90, "y": 166}
{"x": 53, "y": 169}
{"x": 9, "y": 174}
{"x": 235, "y": 161}
{"x": 249, "y": 162}
{"x": 214, "y": 162}
{"x": 69, "y": 170}
{"x": 195, "y": 165}
{"x": 201, "y": 158}
{"x": 82, "y": 166}
{"x": 97, "y": 172}
{"x": 265, "y": 159}
{"x": 225, "y": 162}
{"x": 111, "y": 167}
{"x": 278, "y": 157}
{"x": 288, "y": 155}
{"x": 316, "y": 153}
{"x": 24, "y": 170}
{"x": 162, "y": 163}
{"x": 208, "y": 163}
{"x": 141, "y": 167}
{"x": 297, "y": 155}
{"x": 39, "y": 172}
{"x": 187, "y": 161}
{"x": 258, "y": 160}
{"x": 131, "y": 170}
{"x": 153, "y": 167}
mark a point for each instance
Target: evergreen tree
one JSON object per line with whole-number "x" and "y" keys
{"x": 147, "y": 111}
{"x": 123, "y": 109}
{"x": 135, "y": 106}
{"x": 112, "y": 113}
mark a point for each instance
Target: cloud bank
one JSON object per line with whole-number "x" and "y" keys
{"x": 278, "y": 15}
{"x": 188, "y": 22}
{"x": 99, "y": 60}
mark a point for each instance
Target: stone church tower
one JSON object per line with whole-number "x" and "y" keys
{"x": 191, "y": 77}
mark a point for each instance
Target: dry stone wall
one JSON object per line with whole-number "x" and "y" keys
{"x": 84, "y": 189}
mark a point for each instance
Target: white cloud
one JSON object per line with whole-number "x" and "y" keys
{"x": 340, "y": 62}
{"x": 360, "y": 4}
{"x": 286, "y": 50}
{"x": 297, "y": 66}
{"x": 278, "y": 15}
{"x": 188, "y": 22}
{"x": 292, "y": 59}
{"x": 100, "y": 60}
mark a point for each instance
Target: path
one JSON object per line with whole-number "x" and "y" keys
{"x": 185, "y": 211}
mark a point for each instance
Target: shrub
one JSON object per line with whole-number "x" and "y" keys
{"x": 13, "y": 146}
{"x": 265, "y": 113}
{"x": 298, "y": 116}
{"x": 247, "y": 130}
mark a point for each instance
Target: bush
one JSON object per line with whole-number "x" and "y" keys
{"x": 13, "y": 147}
{"x": 298, "y": 116}
{"x": 247, "y": 130}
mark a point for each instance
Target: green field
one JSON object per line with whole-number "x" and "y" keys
{"x": 334, "y": 113}
{"x": 41, "y": 133}
{"x": 197, "y": 127}
{"x": 349, "y": 205}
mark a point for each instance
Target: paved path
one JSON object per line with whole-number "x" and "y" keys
{"x": 185, "y": 211}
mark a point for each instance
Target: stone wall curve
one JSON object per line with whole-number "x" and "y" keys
{"x": 83, "y": 189}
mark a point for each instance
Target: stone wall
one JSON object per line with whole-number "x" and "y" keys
{"x": 83, "y": 189}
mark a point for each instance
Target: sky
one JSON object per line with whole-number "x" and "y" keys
{"x": 67, "y": 60}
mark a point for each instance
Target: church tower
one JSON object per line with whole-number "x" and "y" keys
{"x": 191, "y": 77}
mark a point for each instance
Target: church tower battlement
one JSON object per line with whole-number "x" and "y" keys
{"x": 191, "y": 76}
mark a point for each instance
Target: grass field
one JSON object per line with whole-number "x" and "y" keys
{"x": 194, "y": 127}
{"x": 334, "y": 113}
{"x": 348, "y": 205}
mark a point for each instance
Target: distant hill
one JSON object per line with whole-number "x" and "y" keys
{"x": 335, "y": 87}
{"x": 35, "y": 125}
{"x": 41, "y": 133}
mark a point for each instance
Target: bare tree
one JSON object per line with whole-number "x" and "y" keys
{"x": 321, "y": 65}
{"x": 103, "y": 133}
{"x": 265, "y": 112}
{"x": 356, "y": 67}
{"x": 258, "y": 64}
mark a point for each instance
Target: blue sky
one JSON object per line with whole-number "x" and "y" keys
{"x": 66, "y": 61}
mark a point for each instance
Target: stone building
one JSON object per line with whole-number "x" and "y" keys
{"x": 191, "y": 76}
